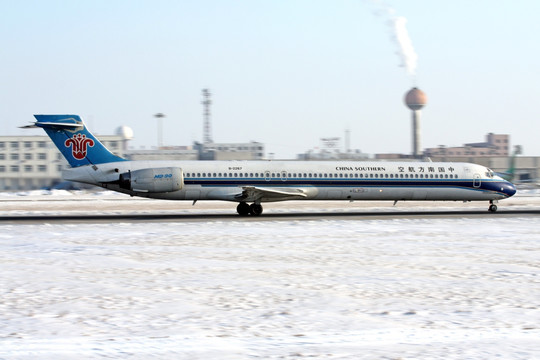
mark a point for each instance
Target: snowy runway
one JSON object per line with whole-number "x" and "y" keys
{"x": 347, "y": 289}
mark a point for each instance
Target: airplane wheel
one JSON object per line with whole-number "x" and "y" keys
{"x": 256, "y": 209}
{"x": 243, "y": 209}
{"x": 492, "y": 208}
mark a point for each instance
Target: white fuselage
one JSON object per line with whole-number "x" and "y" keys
{"x": 310, "y": 180}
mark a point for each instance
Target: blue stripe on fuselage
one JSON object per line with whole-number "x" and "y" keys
{"x": 486, "y": 184}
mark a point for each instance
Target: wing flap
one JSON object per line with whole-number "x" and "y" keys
{"x": 256, "y": 193}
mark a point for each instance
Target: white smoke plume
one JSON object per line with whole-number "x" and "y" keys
{"x": 406, "y": 49}
{"x": 400, "y": 36}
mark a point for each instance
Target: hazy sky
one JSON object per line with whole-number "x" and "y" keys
{"x": 285, "y": 73}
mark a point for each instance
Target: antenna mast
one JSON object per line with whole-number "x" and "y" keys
{"x": 207, "y": 131}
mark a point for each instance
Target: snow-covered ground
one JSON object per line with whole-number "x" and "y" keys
{"x": 61, "y": 202}
{"x": 460, "y": 288}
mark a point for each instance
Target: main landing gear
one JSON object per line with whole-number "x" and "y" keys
{"x": 245, "y": 209}
{"x": 492, "y": 206}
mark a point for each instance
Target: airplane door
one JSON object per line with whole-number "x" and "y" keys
{"x": 476, "y": 181}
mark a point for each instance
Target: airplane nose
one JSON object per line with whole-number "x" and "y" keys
{"x": 509, "y": 189}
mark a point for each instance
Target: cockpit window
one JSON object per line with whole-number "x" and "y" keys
{"x": 489, "y": 174}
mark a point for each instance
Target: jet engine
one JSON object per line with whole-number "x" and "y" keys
{"x": 154, "y": 180}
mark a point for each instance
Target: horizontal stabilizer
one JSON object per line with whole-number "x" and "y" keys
{"x": 60, "y": 125}
{"x": 52, "y": 125}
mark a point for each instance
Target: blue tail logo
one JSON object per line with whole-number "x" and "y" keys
{"x": 78, "y": 145}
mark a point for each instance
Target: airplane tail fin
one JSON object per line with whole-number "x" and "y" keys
{"x": 510, "y": 174}
{"x": 75, "y": 142}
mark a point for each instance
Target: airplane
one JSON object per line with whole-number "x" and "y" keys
{"x": 519, "y": 180}
{"x": 510, "y": 174}
{"x": 251, "y": 183}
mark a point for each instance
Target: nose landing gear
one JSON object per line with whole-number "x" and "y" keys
{"x": 244, "y": 209}
{"x": 492, "y": 206}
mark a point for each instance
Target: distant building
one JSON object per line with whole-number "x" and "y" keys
{"x": 325, "y": 154}
{"x": 208, "y": 151}
{"x": 495, "y": 145}
{"x": 33, "y": 162}
{"x": 230, "y": 151}
{"x": 164, "y": 152}
{"x": 330, "y": 149}
{"x": 395, "y": 156}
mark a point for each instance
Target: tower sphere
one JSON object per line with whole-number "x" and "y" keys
{"x": 415, "y": 99}
{"x": 125, "y": 132}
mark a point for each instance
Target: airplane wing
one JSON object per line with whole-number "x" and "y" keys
{"x": 256, "y": 193}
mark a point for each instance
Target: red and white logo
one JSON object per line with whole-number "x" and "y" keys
{"x": 79, "y": 144}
